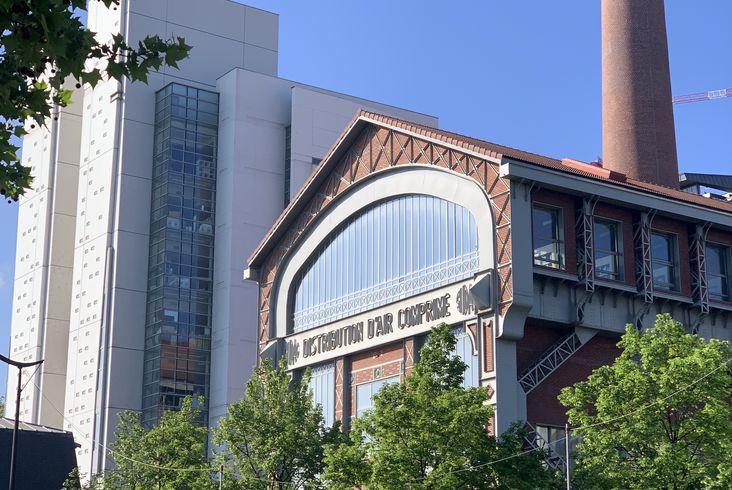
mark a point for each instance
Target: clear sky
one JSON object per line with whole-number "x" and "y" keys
{"x": 521, "y": 73}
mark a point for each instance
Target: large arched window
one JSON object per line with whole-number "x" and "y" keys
{"x": 395, "y": 249}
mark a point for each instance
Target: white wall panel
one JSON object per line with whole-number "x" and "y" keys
{"x": 255, "y": 109}
{"x": 260, "y": 59}
{"x": 134, "y": 211}
{"x": 225, "y": 20}
{"x": 261, "y": 29}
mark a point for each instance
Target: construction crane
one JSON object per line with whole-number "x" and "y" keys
{"x": 702, "y": 96}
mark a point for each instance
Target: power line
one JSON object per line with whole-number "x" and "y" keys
{"x": 471, "y": 468}
{"x": 144, "y": 463}
{"x": 596, "y": 424}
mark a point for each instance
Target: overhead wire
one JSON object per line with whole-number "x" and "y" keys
{"x": 462, "y": 470}
{"x": 588, "y": 426}
{"x": 112, "y": 452}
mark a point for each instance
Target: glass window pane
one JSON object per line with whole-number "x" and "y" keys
{"x": 404, "y": 245}
{"x": 717, "y": 258}
{"x": 661, "y": 247}
{"x": 608, "y": 250}
{"x": 322, "y": 385}
{"x": 664, "y": 261}
{"x": 714, "y": 259}
{"x": 548, "y": 247}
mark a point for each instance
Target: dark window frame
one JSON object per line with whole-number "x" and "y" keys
{"x": 674, "y": 264}
{"x": 618, "y": 254}
{"x": 559, "y": 241}
{"x": 724, "y": 274}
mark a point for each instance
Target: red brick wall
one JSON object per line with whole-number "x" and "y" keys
{"x": 681, "y": 230}
{"x": 488, "y": 356}
{"x": 625, "y": 217}
{"x": 542, "y": 404}
{"x": 537, "y": 339}
{"x": 376, "y": 149}
{"x": 389, "y": 358}
{"x": 566, "y": 203}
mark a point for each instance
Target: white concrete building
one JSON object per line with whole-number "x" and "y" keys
{"x": 109, "y": 287}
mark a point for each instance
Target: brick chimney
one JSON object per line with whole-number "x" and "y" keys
{"x": 638, "y": 135}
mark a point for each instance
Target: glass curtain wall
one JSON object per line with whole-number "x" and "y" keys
{"x": 178, "y": 321}
{"x": 395, "y": 249}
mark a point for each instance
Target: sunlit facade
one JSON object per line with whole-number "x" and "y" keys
{"x": 396, "y": 249}
{"x": 536, "y": 264}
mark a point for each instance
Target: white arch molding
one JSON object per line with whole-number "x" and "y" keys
{"x": 384, "y": 184}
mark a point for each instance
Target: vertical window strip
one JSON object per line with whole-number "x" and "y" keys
{"x": 464, "y": 350}
{"x": 385, "y": 252}
{"x": 322, "y": 386}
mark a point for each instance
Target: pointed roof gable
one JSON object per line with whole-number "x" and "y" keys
{"x": 482, "y": 148}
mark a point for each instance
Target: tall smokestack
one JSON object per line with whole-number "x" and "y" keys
{"x": 638, "y": 135}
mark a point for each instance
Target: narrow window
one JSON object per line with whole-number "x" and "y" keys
{"x": 717, "y": 258}
{"x": 664, "y": 261}
{"x": 608, "y": 250}
{"x": 548, "y": 244}
{"x": 464, "y": 350}
{"x": 322, "y": 386}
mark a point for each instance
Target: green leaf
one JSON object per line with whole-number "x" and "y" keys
{"x": 48, "y": 33}
{"x": 431, "y": 433}
{"x": 659, "y": 416}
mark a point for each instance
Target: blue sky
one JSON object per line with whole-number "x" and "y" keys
{"x": 520, "y": 73}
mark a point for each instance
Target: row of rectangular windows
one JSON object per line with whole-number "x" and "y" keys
{"x": 322, "y": 380}
{"x": 548, "y": 241}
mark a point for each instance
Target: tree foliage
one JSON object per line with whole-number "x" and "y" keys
{"x": 659, "y": 416}
{"x": 430, "y": 432}
{"x": 274, "y": 436}
{"x": 2, "y": 406}
{"x": 42, "y": 44}
{"x": 178, "y": 442}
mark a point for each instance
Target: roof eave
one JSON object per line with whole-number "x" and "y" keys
{"x": 613, "y": 192}
{"x": 306, "y": 192}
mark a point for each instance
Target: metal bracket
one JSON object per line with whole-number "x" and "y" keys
{"x": 643, "y": 264}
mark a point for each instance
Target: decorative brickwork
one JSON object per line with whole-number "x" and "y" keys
{"x": 379, "y": 148}
{"x": 341, "y": 388}
{"x": 409, "y": 356}
{"x": 488, "y": 364}
{"x": 543, "y": 408}
{"x": 380, "y": 363}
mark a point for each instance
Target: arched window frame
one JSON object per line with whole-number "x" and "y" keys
{"x": 391, "y": 182}
{"x": 420, "y": 242}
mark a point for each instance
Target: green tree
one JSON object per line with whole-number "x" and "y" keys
{"x": 659, "y": 416}
{"x": 42, "y": 44}
{"x": 142, "y": 455}
{"x": 274, "y": 436}
{"x": 2, "y": 406}
{"x": 430, "y": 432}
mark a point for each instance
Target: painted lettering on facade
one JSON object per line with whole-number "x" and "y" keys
{"x": 399, "y": 320}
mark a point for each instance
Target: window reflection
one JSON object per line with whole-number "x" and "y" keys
{"x": 547, "y": 235}
{"x": 395, "y": 249}
{"x": 365, "y": 393}
{"x": 608, "y": 250}
{"x": 322, "y": 386}
{"x": 464, "y": 350}
{"x": 717, "y": 264}
{"x": 664, "y": 262}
